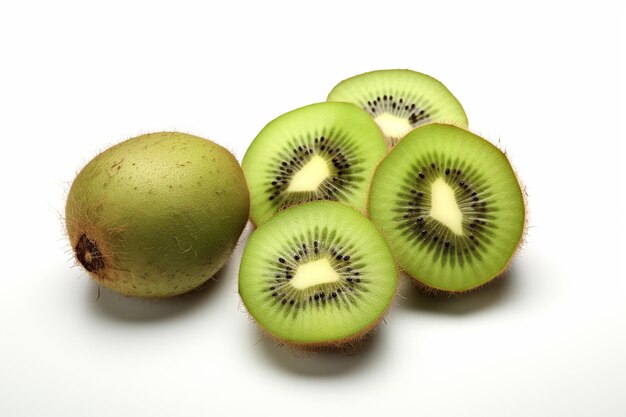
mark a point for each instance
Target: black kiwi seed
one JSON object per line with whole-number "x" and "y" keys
{"x": 398, "y": 107}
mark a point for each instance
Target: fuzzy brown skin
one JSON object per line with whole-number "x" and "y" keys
{"x": 157, "y": 215}
{"x": 351, "y": 347}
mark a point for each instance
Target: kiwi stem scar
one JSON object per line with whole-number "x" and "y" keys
{"x": 314, "y": 273}
{"x": 88, "y": 254}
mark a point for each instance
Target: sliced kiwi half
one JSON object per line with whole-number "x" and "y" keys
{"x": 324, "y": 151}
{"x": 450, "y": 206}
{"x": 318, "y": 274}
{"x": 400, "y": 100}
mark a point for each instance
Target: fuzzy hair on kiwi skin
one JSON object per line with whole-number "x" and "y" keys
{"x": 79, "y": 225}
{"x": 72, "y": 257}
{"x": 439, "y": 292}
{"x": 99, "y": 236}
{"x": 353, "y": 347}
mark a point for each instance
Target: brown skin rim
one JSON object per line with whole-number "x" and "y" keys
{"x": 85, "y": 229}
{"x": 500, "y": 275}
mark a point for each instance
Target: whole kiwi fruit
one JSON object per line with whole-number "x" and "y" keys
{"x": 157, "y": 215}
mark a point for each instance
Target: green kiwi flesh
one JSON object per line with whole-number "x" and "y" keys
{"x": 324, "y": 151}
{"x": 400, "y": 100}
{"x": 157, "y": 215}
{"x": 317, "y": 274}
{"x": 450, "y": 206}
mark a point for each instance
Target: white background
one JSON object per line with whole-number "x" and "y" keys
{"x": 541, "y": 80}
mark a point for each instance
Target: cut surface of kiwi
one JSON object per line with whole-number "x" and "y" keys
{"x": 399, "y": 100}
{"x": 317, "y": 274}
{"x": 324, "y": 151}
{"x": 450, "y": 206}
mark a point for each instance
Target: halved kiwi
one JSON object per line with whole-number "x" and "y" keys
{"x": 317, "y": 274}
{"x": 324, "y": 151}
{"x": 400, "y": 100}
{"x": 450, "y": 206}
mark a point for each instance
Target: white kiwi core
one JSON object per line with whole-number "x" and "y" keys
{"x": 314, "y": 273}
{"x": 393, "y": 126}
{"x": 310, "y": 176}
{"x": 444, "y": 207}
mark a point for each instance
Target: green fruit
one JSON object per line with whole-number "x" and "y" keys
{"x": 450, "y": 206}
{"x": 317, "y": 274}
{"x": 324, "y": 151}
{"x": 157, "y": 215}
{"x": 400, "y": 100}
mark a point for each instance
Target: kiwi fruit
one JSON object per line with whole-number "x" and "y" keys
{"x": 399, "y": 100}
{"x": 157, "y": 215}
{"x": 450, "y": 206}
{"x": 316, "y": 275}
{"x": 324, "y": 151}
